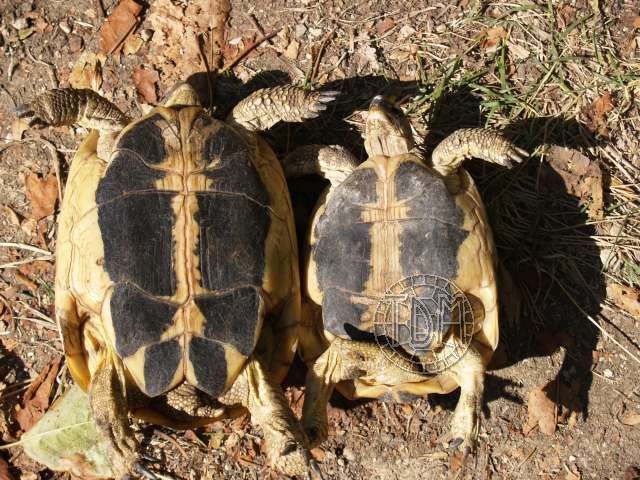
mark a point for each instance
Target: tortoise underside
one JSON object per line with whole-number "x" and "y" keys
{"x": 377, "y": 231}
{"x": 184, "y": 236}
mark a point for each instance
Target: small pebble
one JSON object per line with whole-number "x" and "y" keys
{"x": 608, "y": 373}
{"x": 20, "y": 23}
{"x": 300, "y": 30}
{"x": 441, "y": 28}
{"x": 341, "y": 462}
{"x": 75, "y": 43}
{"x": 66, "y": 26}
{"x": 348, "y": 454}
{"x": 572, "y": 458}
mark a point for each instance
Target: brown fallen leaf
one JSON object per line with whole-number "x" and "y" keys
{"x": 630, "y": 419}
{"x": 42, "y": 193}
{"x": 122, "y": 21}
{"x": 458, "y": 460}
{"x": 581, "y": 176}
{"x": 145, "y": 80}
{"x": 25, "y": 281}
{"x": 35, "y": 400}
{"x": 631, "y": 473}
{"x": 318, "y": 454}
{"x": 292, "y": 50}
{"x": 219, "y": 18}
{"x": 385, "y": 25}
{"x": 5, "y": 474}
{"x": 493, "y": 37}
{"x": 626, "y": 298}
{"x": 573, "y": 474}
{"x": 597, "y": 114}
{"x": 542, "y": 412}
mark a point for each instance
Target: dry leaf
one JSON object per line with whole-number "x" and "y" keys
{"x": 121, "y": 23}
{"x": 87, "y": 71}
{"x": 36, "y": 398}
{"x": 318, "y": 454}
{"x": 4, "y": 470}
{"x": 597, "y": 114}
{"x": 25, "y": 281}
{"x": 145, "y": 81}
{"x": 631, "y": 419}
{"x": 626, "y": 298}
{"x": 636, "y": 22}
{"x": 492, "y": 39}
{"x": 457, "y": 461}
{"x": 42, "y": 193}
{"x": 581, "y": 177}
{"x": 67, "y": 438}
{"x": 292, "y": 50}
{"x": 572, "y": 474}
{"x": 132, "y": 44}
{"x": 385, "y": 25}
{"x": 631, "y": 473}
{"x": 542, "y": 412}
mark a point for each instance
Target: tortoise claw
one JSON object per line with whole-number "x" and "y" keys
{"x": 315, "y": 473}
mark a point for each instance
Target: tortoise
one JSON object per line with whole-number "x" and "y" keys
{"x": 391, "y": 241}
{"x": 177, "y": 280}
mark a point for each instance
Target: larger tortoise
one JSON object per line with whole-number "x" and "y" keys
{"x": 177, "y": 285}
{"x": 401, "y": 260}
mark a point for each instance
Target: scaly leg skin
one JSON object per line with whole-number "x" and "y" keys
{"x": 268, "y": 106}
{"x": 333, "y": 162}
{"x": 68, "y": 106}
{"x": 286, "y": 443}
{"x": 110, "y": 412}
{"x": 484, "y": 143}
{"x": 349, "y": 360}
{"x": 469, "y": 374}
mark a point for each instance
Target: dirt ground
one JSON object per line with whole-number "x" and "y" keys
{"x": 561, "y": 78}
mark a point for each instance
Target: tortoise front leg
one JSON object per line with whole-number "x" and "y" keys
{"x": 348, "y": 360}
{"x": 333, "y": 162}
{"x": 484, "y": 143}
{"x": 69, "y": 106}
{"x": 286, "y": 443}
{"x": 268, "y": 106}
{"x": 111, "y": 413}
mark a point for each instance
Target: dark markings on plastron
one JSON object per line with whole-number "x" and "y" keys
{"x": 429, "y": 244}
{"x": 231, "y": 318}
{"x": 209, "y": 365}
{"x": 230, "y": 166}
{"x": 233, "y": 230}
{"x": 138, "y": 319}
{"x": 430, "y": 241}
{"x": 160, "y": 364}
{"x": 343, "y": 250}
{"x": 146, "y": 140}
{"x": 138, "y": 243}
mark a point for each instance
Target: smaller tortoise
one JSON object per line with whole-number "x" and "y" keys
{"x": 399, "y": 224}
{"x": 177, "y": 283}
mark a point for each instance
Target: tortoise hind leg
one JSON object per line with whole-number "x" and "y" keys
{"x": 268, "y": 106}
{"x": 285, "y": 440}
{"x": 348, "y": 360}
{"x": 485, "y": 143}
{"x": 469, "y": 374}
{"x": 333, "y": 162}
{"x": 110, "y": 412}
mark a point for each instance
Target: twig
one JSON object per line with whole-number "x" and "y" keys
{"x": 248, "y": 50}
{"x": 24, "y": 246}
{"x": 259, "y": 28}
{"x": 316, "y": 64}
{"x": 28, "y": 260}
{"x": 100, "y": 10}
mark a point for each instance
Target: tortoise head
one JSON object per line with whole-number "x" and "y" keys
{"x": 387, "y": 130}
{"x": 182, "y": 95}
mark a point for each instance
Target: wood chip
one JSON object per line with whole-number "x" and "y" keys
{"x": 385, "y": 25}
{"x": 87, "y": 71}
{"x": 630, "y": 419}
{"x": 626, "y": 298}
{"x": 119, "y": 25}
